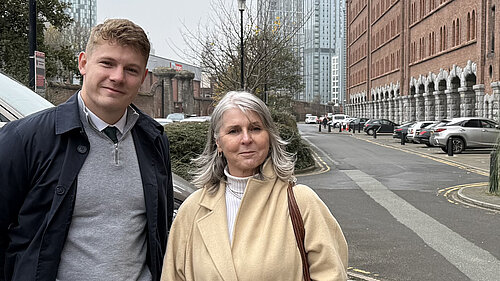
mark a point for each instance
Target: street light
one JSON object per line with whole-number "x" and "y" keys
{"x": 241, "y": 7}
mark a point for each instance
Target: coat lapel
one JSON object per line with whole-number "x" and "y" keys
{"x": 213, "y": 231}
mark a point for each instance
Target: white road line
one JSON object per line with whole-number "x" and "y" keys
{"x": 473, "y": 261}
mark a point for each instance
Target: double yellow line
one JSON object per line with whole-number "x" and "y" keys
{"x": 448, "y": 190}
{"x": 321, "y": 163}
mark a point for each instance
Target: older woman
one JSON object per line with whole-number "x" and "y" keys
{"x": 237, "y": 226}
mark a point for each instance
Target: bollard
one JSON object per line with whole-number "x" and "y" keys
{"x": 359, "y": 128}
{"x": 374, "y": 133}
{"x": 329, "y": 128}
{"x": 449, "y": 145}
{"x": 319, "y": 128}
{"x": 493, "y": 181}
{"x": 340, "y": 128}
{"x": 354, "y": 129}
{"x": 403, "y": 138}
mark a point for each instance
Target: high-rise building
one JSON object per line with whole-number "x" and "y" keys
{"x": 323, "y": 32}
{"x": 84, "y": 12}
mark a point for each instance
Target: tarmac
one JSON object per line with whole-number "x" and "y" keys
{"x": 476, "y": 161}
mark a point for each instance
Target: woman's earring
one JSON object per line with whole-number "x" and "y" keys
{"x": 219, "y": 153}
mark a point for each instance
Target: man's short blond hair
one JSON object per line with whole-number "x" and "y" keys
{"x": 122, "y": 32}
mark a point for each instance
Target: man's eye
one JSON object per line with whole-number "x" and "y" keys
{"x": 106, "y": 63}
{"x": 133, "y": 70}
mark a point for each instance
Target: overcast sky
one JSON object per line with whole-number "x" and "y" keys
{"x": 161, "y": 19}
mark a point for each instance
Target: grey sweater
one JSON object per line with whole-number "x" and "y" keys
{"x": 107, "y": 236}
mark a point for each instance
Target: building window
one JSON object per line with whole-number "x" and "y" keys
{"x": 473, "y": 29}
{"x": 453, "y": 34}
{"x": 468, "y": 27}
{"x": 492, "y": 29}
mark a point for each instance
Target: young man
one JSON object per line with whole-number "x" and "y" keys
{"x": 86, "y": 187}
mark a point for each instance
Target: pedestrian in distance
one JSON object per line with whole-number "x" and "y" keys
{"x": 237, "y": 225}
{"x": 86, "y": 189}
{"x": 325, "y": 121}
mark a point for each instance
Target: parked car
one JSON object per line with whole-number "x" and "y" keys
{"x": 18, "y": 101}
{"x": 182, "y": 189}
{"x": 425, "y": 133}
{"x": 311, "y": 119}
{"x": 415, "y": 129}
{"x": 379, "y": 125}
{"x": 466, "y": 133}
{"x": 402, "y": 129}
{"x": 197, "y": 119}
{"x": 346, "y": 121}
{"x": 358, "y": 123}
{"x": 175, "y": 117}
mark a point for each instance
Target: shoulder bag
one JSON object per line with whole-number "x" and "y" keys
{"x": 298, "y": 229}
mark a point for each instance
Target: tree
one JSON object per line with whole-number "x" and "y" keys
{"x": 271, "y": 59}
{"x": 14, "y": 28}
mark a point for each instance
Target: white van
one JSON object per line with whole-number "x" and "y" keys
{"x": 337, "y": 118}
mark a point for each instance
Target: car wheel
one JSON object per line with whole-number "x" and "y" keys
{"x": 444, "y": 149}
{"x": 458, "y": 145}
{"x": 370, "y": 132}
{"x": 429, "y": 145}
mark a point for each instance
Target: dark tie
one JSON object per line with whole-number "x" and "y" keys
{"x": 111, "y": 133}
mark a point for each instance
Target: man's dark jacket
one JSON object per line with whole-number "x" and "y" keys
{"x": 40, "y": 158}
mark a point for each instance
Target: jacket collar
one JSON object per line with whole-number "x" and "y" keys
{"x": 68, "y": 118}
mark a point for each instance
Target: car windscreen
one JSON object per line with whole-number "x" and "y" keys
{"x": 20, "y": 97}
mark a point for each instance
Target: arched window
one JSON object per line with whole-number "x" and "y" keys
{"x": 492, "y": 29}
{"x": 468, "y": 27}
{"x": 445, "y": 37}
{"x": 453, "y": 34}
{"x": 473, "y": 25}
{"x": 430, "y": 44}
{"x": 440, "y": 39}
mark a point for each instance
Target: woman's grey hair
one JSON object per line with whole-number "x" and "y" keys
{"x": 210, "y": 167}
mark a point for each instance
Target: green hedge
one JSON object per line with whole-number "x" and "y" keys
{"x": 188, "y": 139}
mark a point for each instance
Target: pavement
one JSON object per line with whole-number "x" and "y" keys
{"x": 475, "y": 161}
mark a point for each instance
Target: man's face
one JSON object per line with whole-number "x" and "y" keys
{"x": 113, "y": 75}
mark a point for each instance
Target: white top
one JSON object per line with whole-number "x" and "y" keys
{"x": 235, "y": 189}
{"x": 98, "y": 122}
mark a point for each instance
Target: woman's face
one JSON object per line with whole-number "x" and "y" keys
{"x": 243, "y": 141}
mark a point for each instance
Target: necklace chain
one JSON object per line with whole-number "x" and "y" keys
{"x": 238, "y": 195}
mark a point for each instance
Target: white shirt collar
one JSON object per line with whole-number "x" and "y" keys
{"x": 98, "y": 122}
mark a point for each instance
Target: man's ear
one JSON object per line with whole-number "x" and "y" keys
{"x": 82, "y": 62}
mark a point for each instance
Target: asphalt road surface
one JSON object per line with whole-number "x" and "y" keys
{"x": 398, "y": 222}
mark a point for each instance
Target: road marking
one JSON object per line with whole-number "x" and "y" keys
{"x": 469, "y": 168}
{"x": 448, "y": 191}
{"x": 318, "y": 160}
{"x": 473, "y": 261}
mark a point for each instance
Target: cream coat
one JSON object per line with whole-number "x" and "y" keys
{"x": 264, "y": 245}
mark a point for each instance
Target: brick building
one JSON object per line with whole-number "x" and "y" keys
{"x": 422, "y": 59}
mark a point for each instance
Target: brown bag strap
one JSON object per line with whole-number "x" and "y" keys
{"x": 298, "y": 229}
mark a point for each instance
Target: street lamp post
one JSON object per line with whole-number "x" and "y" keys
{"x": 241, "y": 7}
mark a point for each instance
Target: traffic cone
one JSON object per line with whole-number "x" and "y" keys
{"x": 347, "y": 127}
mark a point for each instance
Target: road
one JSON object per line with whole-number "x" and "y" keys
{"x": 398, "y": 219}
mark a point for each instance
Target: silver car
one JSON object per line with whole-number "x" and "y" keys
{"x": 17, "y": 101}
{"x": 465, "y": 133}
